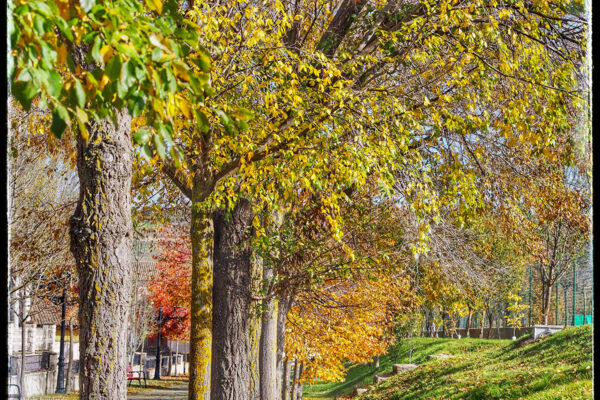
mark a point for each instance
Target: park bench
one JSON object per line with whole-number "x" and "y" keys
{"x": 14, "y": 395}
{"x": 136, "y": 375}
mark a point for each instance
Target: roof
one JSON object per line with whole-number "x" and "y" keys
{"x": 44, "y": 312}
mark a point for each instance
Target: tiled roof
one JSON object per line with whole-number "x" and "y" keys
{"x": 43, "y": 312}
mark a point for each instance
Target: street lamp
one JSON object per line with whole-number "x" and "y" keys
{"x": 60, "y": 384}
{"x": 160, "y": 321}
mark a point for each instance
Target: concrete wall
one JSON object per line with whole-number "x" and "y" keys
{"x": 37, "y": 383}
{"x": 37, "y": 338}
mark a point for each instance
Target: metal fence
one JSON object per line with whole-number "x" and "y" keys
{"x": 33, "y": 362}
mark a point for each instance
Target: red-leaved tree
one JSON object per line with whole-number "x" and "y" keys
{"x": 172, "y": 286}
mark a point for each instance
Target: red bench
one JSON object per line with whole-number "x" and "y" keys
{"x": 136, "y": 375}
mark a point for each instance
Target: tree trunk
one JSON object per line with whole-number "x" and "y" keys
{"x": 230, "y": 367}
{"x": 201, "y": 232}
{"x": 469, "y": 318}
{"x": 298, "y": 395}
{"x": 22, "y": 369}
{"x": 101, "y": 243}
{"x": 376, "y": 362}
{"x": 547, "y": 294}
{"x": 268, "y": 342}
{"x": 70, "y": 363}
{"x": 142, "y": 359}
{"x": 285, "y": 383}
{"x": 490, "y": 315}
{"x": 255, "y": 324}
{"x": 170, "y": 363}
{"x": 282, "y": 312}
{"x": 176, "y": 356}
{"x": 296, "y": 379}
{"x": 482, "y": 324}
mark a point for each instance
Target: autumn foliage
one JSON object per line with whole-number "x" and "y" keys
{"x": 171, "y": 286}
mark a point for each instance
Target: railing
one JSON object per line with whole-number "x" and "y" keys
{"x": 33, "y": 362}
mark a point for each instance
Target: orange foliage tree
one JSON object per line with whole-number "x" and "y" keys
{"x": 172, "y": 288}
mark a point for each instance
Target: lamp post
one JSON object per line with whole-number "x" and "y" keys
{"x": 158, "y": 336}
{"x": 157, "y": 367}
{"x": 60, "y": 384}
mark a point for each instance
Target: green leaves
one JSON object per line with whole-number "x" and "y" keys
{"x": 138, "y": 61}
{"x": 80, "y": 96}
{"x": 203, "y": 60}
{"x": 60, "y": 119}
{"x": 87, "y": 5}
{"x": 54, "y": 83}
{"x": 141, "y": 137}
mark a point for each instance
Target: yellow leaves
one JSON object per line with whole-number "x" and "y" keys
{"x": 184, "y": 106}
{"x": 106, "y": 52}
{"x": 181, "y": 71}
{"x": 159, "y": 106}
{"x": 155, "y": 5}
{"x": 62, "y": 55}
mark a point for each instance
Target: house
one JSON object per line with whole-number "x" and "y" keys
{"x": 41, "y": 346}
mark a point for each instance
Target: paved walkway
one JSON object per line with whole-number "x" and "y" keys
{"x": 174, "y": 392}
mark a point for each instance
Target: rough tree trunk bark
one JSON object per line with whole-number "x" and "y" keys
{"x": 482, "y": 324}
{"x": 70, "y": 364}
{"x": 469, "y": 318}
{"x": 101, "y": 243}
{"x": 230, "y": 367}
{"x": 282, "y": 312}
{"x": 255, "y": 324}
{"x": 142, "y": 358}
{"x": 285, "y": 384}
{"x": 23, "y": 334}
{"x": 201, "y": 232}
{"x": 298, "y": 394}
{"x": 547, "y": 294}
{"x": 268, "y": 342}
{"x": 295, "y": 379}
{"x": 490, "y": 316}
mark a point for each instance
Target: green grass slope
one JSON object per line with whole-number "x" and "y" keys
{"x": 556, "y": 367}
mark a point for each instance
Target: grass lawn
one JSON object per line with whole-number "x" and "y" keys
{"x": 557, "y": 367}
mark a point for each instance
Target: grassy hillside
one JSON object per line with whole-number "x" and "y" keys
{"x": 557, "y": 367}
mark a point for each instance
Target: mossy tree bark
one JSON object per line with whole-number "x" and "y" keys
{"x": 230, "y": 367}
{"x": 255, "y": 329}
{"x": 201, "y": 232}
{"x": 101, "y": 243}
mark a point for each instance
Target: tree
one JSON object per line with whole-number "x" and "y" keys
{"x": 344, "y": 321}
{"x": 172, "y": 286}
{"x": 342, "y": 92}
{"x": 41, "y": 196}
{"x": 562, "y": 227}
{"x": 112, "y": 60}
